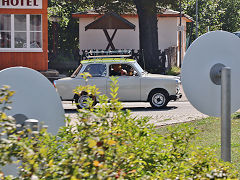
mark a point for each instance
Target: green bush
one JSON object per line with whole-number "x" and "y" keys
{"x": 174, "y": 71}
{"x": 107, "y": 142}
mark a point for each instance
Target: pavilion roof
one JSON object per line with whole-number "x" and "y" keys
{"x": 110, "y": 21}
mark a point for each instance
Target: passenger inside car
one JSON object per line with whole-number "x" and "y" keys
{"x": 131, "y": 72}
{"x": 117, "y": 70}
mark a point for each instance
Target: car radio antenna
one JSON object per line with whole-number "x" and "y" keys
{"x": 144, "y": 66}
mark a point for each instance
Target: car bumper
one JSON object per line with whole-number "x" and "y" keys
{"x": 175, "y": 97}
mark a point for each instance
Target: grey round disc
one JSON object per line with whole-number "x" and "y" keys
{"x": 35, "y": 97}
{"x": 218, "y": 47}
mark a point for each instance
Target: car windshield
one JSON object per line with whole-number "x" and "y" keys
{"x": 75, "y": 73}
{"x": 96, "y": 70}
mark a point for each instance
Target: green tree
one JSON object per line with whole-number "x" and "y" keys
{"x": 230, "y": 17}
{"x": 148, "y": 30}
{"x": 64, "y": 36}
{"x": 213, "y": 15}
{"x": 148, "y": 35}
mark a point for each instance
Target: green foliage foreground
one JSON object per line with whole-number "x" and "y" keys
{"x": 106, "y": 142}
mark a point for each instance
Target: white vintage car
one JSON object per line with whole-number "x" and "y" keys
{"x": 135, "y": 84}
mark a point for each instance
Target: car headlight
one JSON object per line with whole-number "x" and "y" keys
{"x": 178, "y": 82}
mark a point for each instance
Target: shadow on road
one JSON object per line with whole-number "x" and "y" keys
{"x": 133, "y": 109}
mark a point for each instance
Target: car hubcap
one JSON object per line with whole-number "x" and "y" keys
{"x": 82, "y": 101}
{"x": 158, "y": 99}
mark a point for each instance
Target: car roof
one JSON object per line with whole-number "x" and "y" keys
{"x": 108, "y": 60}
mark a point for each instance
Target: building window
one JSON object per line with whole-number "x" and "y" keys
{"x": 20, "y": 32}
{"x": 5, "y": 31}
{"x": 35, "y": 31}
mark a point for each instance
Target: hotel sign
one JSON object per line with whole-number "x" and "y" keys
{"x": 21, "y": 4}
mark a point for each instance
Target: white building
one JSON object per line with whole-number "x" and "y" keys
{"x": 168, "y": 32}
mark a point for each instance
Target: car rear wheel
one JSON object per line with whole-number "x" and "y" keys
{"x": 159, "y": 99}
{"x": 81, "y": 101}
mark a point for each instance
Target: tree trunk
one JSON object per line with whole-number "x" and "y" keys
{"x": 148, "y": 32}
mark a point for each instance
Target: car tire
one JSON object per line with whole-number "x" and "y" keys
{"x": 81, "y": 101}
{"x": 159, "y": 99}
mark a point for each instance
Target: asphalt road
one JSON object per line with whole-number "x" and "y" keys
{"x": 175, "y": 112}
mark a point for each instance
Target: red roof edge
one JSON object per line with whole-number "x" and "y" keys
{"x": 80, "y": 15}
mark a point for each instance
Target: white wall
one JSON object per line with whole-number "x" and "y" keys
{"x": 91, "y": 39}
{"x": 127, "y": 39}
{"x": 167, "y": 32}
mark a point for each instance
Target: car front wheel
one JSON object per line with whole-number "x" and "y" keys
{"x": 158, "y": 99}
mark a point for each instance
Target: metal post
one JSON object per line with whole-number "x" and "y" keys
{"x": 196, "y": 18}
{"x": 226, "y": 114}
{"x": 180, "y": 36}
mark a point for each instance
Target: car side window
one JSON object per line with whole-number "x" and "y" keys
{"x": 121, "y": 70}
{"x": 116, "y": 70}
{"x": 96, "y": 70}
